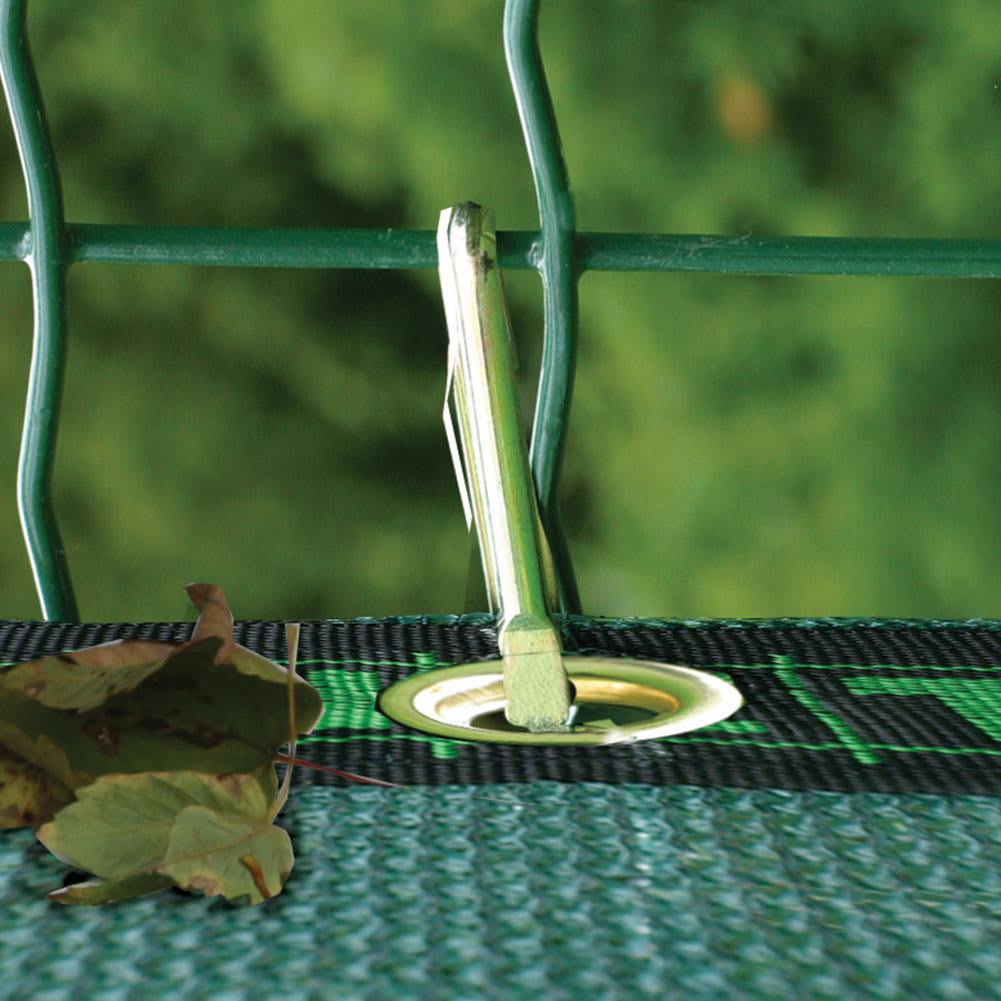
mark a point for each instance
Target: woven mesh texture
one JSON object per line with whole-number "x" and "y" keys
{"x": 586, "y": 890}
{"x": 717, "y": 867}
{"x": 884, "y": 706}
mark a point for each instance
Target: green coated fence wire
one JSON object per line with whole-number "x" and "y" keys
{"x": 560, "y": 254}
{"x": 44, "y": 249}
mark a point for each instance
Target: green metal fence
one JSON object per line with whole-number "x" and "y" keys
{"x": 560, "y": 254}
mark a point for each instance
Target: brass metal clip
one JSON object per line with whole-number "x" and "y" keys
{"x": 494, "y": 474}
{"x": 525, "y": 697}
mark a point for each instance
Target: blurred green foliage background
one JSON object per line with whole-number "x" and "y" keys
{"x": 739, "y": 446}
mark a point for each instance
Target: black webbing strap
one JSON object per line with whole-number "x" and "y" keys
{"x": 845, "y": 705}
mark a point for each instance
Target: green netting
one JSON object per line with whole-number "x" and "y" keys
{"x": 659, "y": 880}
{"x": 575, "y": 891}
{"x": 572, "y": 889}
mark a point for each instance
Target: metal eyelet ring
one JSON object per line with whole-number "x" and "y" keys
{"x": 617, "y": 701}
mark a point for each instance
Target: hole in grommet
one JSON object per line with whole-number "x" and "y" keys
{"x": 615, "y": 700}
{"x": 588, "y": 714}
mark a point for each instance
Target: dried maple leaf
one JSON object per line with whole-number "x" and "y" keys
{"x": 150, "y": 764}
{"x": 134, "y": 706}
{"x": 187, "y": 828}
{"x": 28, "y": 795}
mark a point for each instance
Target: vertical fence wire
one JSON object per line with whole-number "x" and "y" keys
{"x": 558, "y": 268}
{"x": 47, "y": 257}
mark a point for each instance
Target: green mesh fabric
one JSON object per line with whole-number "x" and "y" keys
{"x": 841, "y": 840}
{"x": 576, "y": 891}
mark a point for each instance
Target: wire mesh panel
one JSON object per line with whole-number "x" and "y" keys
{"x": 50, "y": 244}
{"x": 837, "y": 838}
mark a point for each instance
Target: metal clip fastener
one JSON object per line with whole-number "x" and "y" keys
{"x": 493, "y": 471}
{"x": 524, "y": 698}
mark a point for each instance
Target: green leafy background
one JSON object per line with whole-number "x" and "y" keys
{"x": 739, "y": 446}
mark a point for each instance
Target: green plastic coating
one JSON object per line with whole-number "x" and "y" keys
{"x": 518, "y": 250}
{"x": 45, "y": 251}
{"x": 558, "y": 269}
{"x": 785, "y": 255}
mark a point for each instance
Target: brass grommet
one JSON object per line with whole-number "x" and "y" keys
{"x": 617, "y": 701}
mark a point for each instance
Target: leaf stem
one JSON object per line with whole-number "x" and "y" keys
{"x": 353, "y": 777}
{"x": 292, "y": 642}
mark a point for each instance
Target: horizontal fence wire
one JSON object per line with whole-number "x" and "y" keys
{"x": 518, "y": 250}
